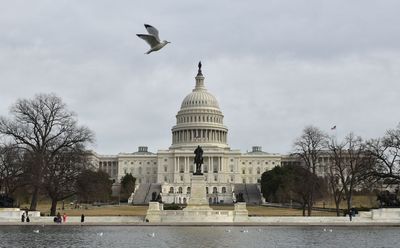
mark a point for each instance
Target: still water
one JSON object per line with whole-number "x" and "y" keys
{"x": 193, "y": 237}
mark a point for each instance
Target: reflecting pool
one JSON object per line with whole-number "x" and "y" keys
{"x": 147, "y": 236}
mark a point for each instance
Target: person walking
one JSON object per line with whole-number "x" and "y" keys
{"x": 64, "y": 217}
{"x": 59, "y": 218}
{"x": 82, "y": 218}
{"x": 351, "y": 214}
{"x": 23, "y": 217}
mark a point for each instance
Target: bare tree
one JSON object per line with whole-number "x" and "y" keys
{"x": 309, "y": 146}
{"x": 386, "y": 151}
{"x": 11, "y": 169}
{"x": 43, "y": 127}
{"x": 350, "y": 166}
{"x": 62, "y": 173}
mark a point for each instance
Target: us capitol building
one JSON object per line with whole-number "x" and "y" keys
{"x": 199, "y": 121}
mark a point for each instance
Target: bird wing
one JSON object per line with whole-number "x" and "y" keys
{"x": 150, "y": 39}
{"x": 152, "y": 30}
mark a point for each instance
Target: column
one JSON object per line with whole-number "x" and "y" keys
{"x": 175, "y": 169}
{"x": 209, "y": 164}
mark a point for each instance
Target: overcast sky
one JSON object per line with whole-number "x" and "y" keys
{"x": 274, "y": 66}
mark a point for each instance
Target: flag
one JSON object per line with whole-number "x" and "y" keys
{"x": 333, "y": 128}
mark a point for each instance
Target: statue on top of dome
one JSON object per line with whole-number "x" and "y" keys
{"x": 199, "y": 72}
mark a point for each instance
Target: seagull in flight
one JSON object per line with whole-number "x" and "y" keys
{"x": 152, "y": 39}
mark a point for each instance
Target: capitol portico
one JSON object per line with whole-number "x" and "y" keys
{"x": 199, "y": 121}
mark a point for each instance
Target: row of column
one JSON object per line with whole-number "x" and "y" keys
{"x": 183, "y": 136}
{"x": 187, "y": 162}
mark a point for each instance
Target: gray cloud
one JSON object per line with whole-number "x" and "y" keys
{"x": 274, "y": 66}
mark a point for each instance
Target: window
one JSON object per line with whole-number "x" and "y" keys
{"x": 243, "y": 171}
{"x": 165, "y": 179}
{"x": 215, "y": 178}
{"x": 206, "y": 190}
{"x": 258, "y": 170}
{"x": 188, "y": 190}
{"x": 180, "y": 190}
{"x": 223, "y": 190}
{"x": 165, "y": 169}
{"x": 171, "y": 190}
{"x": 215, "y": 190}
{"x": 182, "y": 178}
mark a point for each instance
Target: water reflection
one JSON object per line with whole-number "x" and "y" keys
{"x": 193, "y": 237}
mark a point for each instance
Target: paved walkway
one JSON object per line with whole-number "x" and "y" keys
{"x": 268, "y": 221}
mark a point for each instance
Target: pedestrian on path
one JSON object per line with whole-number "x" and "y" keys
{"x": 64, "y": 217}
{"x": 82, "y": 218}
{"x": 351, "y": 214}
{"x": 23, "y": 217}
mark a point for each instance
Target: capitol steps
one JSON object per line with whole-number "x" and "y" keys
{"x": 251, "y": 193}
{"x": 141, "y": 193}
{"x": 144, "y": 193}
{"x": 154, "y": 187}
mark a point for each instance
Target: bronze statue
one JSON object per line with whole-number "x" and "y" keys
{"x": 198, "y": 160}
{"x": 199, "y": 71}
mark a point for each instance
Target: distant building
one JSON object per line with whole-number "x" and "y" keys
{"x": 198, "y": 122}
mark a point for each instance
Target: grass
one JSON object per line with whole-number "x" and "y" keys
{"x": 368, "y": 201}
{"x": 129, "y": 210}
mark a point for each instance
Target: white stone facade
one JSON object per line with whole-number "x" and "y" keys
{"x": 198, "y": 122}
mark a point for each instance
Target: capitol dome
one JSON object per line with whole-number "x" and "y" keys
{"x": 200, "y": 120}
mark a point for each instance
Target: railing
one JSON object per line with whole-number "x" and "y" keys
{"x": 198, "y": 212}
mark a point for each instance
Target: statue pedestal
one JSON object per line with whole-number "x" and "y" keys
{"x": 198, "y": 195}
{"x": 154, "y": 212}
{"x": 240, "y": 212}
{"x": 197, "y": 209}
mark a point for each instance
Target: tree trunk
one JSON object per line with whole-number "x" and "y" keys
{"x": 53, "y": 207}
{"x": 304, "y": 210}
{"x": 310, "y": 205}
{"x": 337, "y": 204}
{"x": 34, "y": 199}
